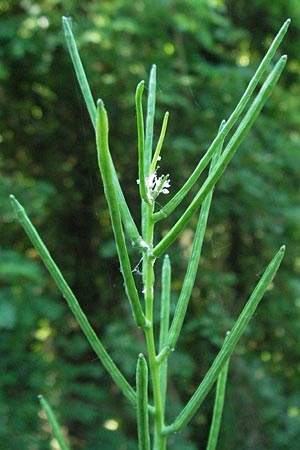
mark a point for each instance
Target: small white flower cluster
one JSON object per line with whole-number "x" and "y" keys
{"x": 156, "y": 185}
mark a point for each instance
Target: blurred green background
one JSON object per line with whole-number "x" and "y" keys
{"x": 206, "y": 52}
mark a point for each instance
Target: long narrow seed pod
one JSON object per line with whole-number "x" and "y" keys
{"x": 180, "y": 195}
{"x": 53, "y": 422}
{"x": 106, "y": 170}
{"x": 150, "y": 119}
{"x": 72, "y": 301}
{"x": 79, "y": 70}
{"x": 218, "y": 408}
{"x": 227, "y": 155}
{"x": 160, "y": 142}
{"x": 164, "y": 323}
{"x": 141, "y": 140}
{"x": 127, "y": 218}
{"x": 148, "y": 145}
{"x": 142, "y": 403}
{"x": 228, "y": 347}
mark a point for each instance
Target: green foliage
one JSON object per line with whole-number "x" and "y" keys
{"x": 205, "y": 56}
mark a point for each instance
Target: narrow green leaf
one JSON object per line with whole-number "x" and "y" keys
{"x": 127, "y": 219}
{"x": 218, "y": 409}
{"x": 72, "y": 301}
{"x": 141, "y": 140}
{"x": 150, "y": 119}
{"x": 142, "y": 403}
{"x": 53, "y": 422}
{"x": 106, "y": 170}
{"x": 227, "y": 155}
{"x": 180, "y": 195}
{"x": 164, "y": 323}
{"x": 189, "y": 279}
{"x": 228, "y": 347}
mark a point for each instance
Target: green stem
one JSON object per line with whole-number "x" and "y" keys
{"x": 159, "y": 441}
{"x": 72, "y": 302}
{"x": 53, "y": 422}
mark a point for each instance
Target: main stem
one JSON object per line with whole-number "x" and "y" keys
{"x": 159, "y": 441}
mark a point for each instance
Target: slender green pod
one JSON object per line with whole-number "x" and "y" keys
{"x": 79, "y": 69}
{"x": 160, "y": 142}
{"x": 142, "y": 403}
{"x": 53, "y": 422}
{"x": 145, "y": 208}
{"x": 218, "y": 408}
{"x": 180, "y": 195}
{"x": 164, "y": 323}
{"x": 150, "y": 119}
{"x": 141, "y": 140}
{"x": 127, "y": 218}
{"x": 227, "y": 155}
{"x": 72, "y": 302}
{"x": 228, "y": 347}
{"x": 106, "y": 170}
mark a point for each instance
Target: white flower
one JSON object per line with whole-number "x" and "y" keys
{"x": 156, "y": 185}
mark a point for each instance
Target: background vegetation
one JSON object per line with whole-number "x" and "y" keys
{"x": 206, "y": 52}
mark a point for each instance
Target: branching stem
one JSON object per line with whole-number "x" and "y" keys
{"x": 159, "y": 442}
